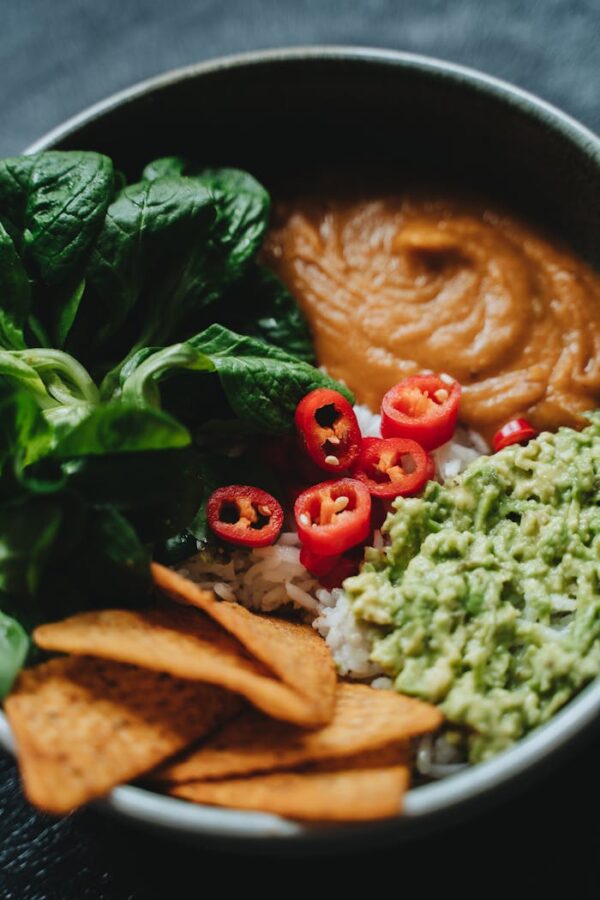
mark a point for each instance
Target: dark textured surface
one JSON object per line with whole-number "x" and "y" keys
{"x": 57, "y": 57}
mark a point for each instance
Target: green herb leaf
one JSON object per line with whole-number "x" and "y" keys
{"x": 122, "y": 428}
{"x": 148, "y": 267}
{"x": 261, "y": 306}
{"x": 243, "y": 207}
{"x": 15, "y": 294}
{"x": 158, "y": 491}
{"x": 14, "y": 645}
{"x": 28, "y": 527}
{"x": 262, "y": 383}
{"x": 52, "y": 205}
{"x": 165, "y": 167}
{"x": 243, "y": 215}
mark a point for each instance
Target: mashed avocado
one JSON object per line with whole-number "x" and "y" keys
{"x": 487, "y": 599}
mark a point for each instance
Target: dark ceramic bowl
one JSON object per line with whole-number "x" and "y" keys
{"x": 280, "y": 114}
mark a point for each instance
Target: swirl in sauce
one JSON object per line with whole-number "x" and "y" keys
{"x": 398, "y": 284}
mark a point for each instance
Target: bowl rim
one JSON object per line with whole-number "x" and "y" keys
{"x": 505, "y": 91}
{"x": 424, "y": 804}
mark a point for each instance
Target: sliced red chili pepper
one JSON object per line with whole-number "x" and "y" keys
{"x": 345, "y": 567}
{"x": 423, "y": 408}
{"x": 317, "y": 565}
{"x": 430, "y": 468}
{"x": 517, "y": 431}
{"x": 393, "y": 467}
{"x": 328, "y": 429}
{"x": 244, "y": 515}
{"x": 333, "y": 516}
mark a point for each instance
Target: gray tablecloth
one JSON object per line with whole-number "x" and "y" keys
{"x": 58, "y": 56}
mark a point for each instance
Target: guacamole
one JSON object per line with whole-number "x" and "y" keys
{"x": 487, "y": 598}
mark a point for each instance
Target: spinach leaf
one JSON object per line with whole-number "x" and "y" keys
{"x": 148, "y": 268}
{"x": 262, "y": 383}
{"x": 165, "y": 166}
{"x": 140, "y": 385}
{"x": 97, "y": 560}
{"x": 121, "y": 428}
{"x": 25, "y": 438}
{"x": 114, "y": 563}
{"x": 15, "y": 293}
{"x": 66, "y": 313}
{"x": 60, "y": 385}
{"x": 53, "y": 205}
{"x": 261, "y": 306}
{"x": 14, "y": 645}
{"x": 28, "y": 528}
{"x": 243, "y": 207}
{"x": 158, "y": 491}
{"x": 175, "y": 549}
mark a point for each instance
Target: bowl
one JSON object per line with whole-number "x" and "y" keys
{"x": 281, "y": 114}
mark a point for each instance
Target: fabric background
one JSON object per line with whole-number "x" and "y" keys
{"x": 58, "y": 56}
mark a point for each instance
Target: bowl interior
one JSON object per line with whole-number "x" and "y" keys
{"x": 284, "y": 114}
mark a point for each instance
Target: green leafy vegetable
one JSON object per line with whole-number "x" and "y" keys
{"x": 165, "y": 167}
{"x": 262, "y": 383}
{"x": 60, "y": 385}
{"x": 158, "y": 491}
{"x": 261, "y": 306}
{"x": 52, "y": 205}
{"x": 25, "y": 437}
{"x": 13, "y": 650}
{"x": 148, "y": 268}
{"x": 28, "y": 528}
{"x": 15, "y": 294}
{"x": 120, "y": 428}
{"x": 155, "y": 289}
{"x": 243, "y": 208}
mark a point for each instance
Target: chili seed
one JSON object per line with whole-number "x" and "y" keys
{"x": 340, "y": 503}
{"x": 332, "y": 461}
{"x": 304, "y": 520}
{"x": 441, "y": 395}
{"x": 264, "y": 510}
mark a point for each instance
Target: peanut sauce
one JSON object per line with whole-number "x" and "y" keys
{"x": 392, "y": 285}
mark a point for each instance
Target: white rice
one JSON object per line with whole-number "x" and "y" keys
{"x": 269, "y": 578}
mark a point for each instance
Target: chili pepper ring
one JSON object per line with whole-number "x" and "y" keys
{"x": 244, "y": 515}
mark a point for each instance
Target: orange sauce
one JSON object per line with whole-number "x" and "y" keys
{"x": 394, "y": 284}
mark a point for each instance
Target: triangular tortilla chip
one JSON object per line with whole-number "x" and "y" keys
{"x": 184, "y": 643}
{"x": 83, "y": 725}
{"x": 365, "y": 719}
{"x": 294, "y": 652}
{"x": 339, "y": 796}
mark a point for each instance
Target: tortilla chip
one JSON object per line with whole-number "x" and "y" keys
{"x": 294, "y": 652}
{"x": 399, "y": 754}
{"x": 339, "y": 796}
{"x": 184, "y": 643}
{"x": 365, "y": 719}
{"x": 84, "y": 725}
